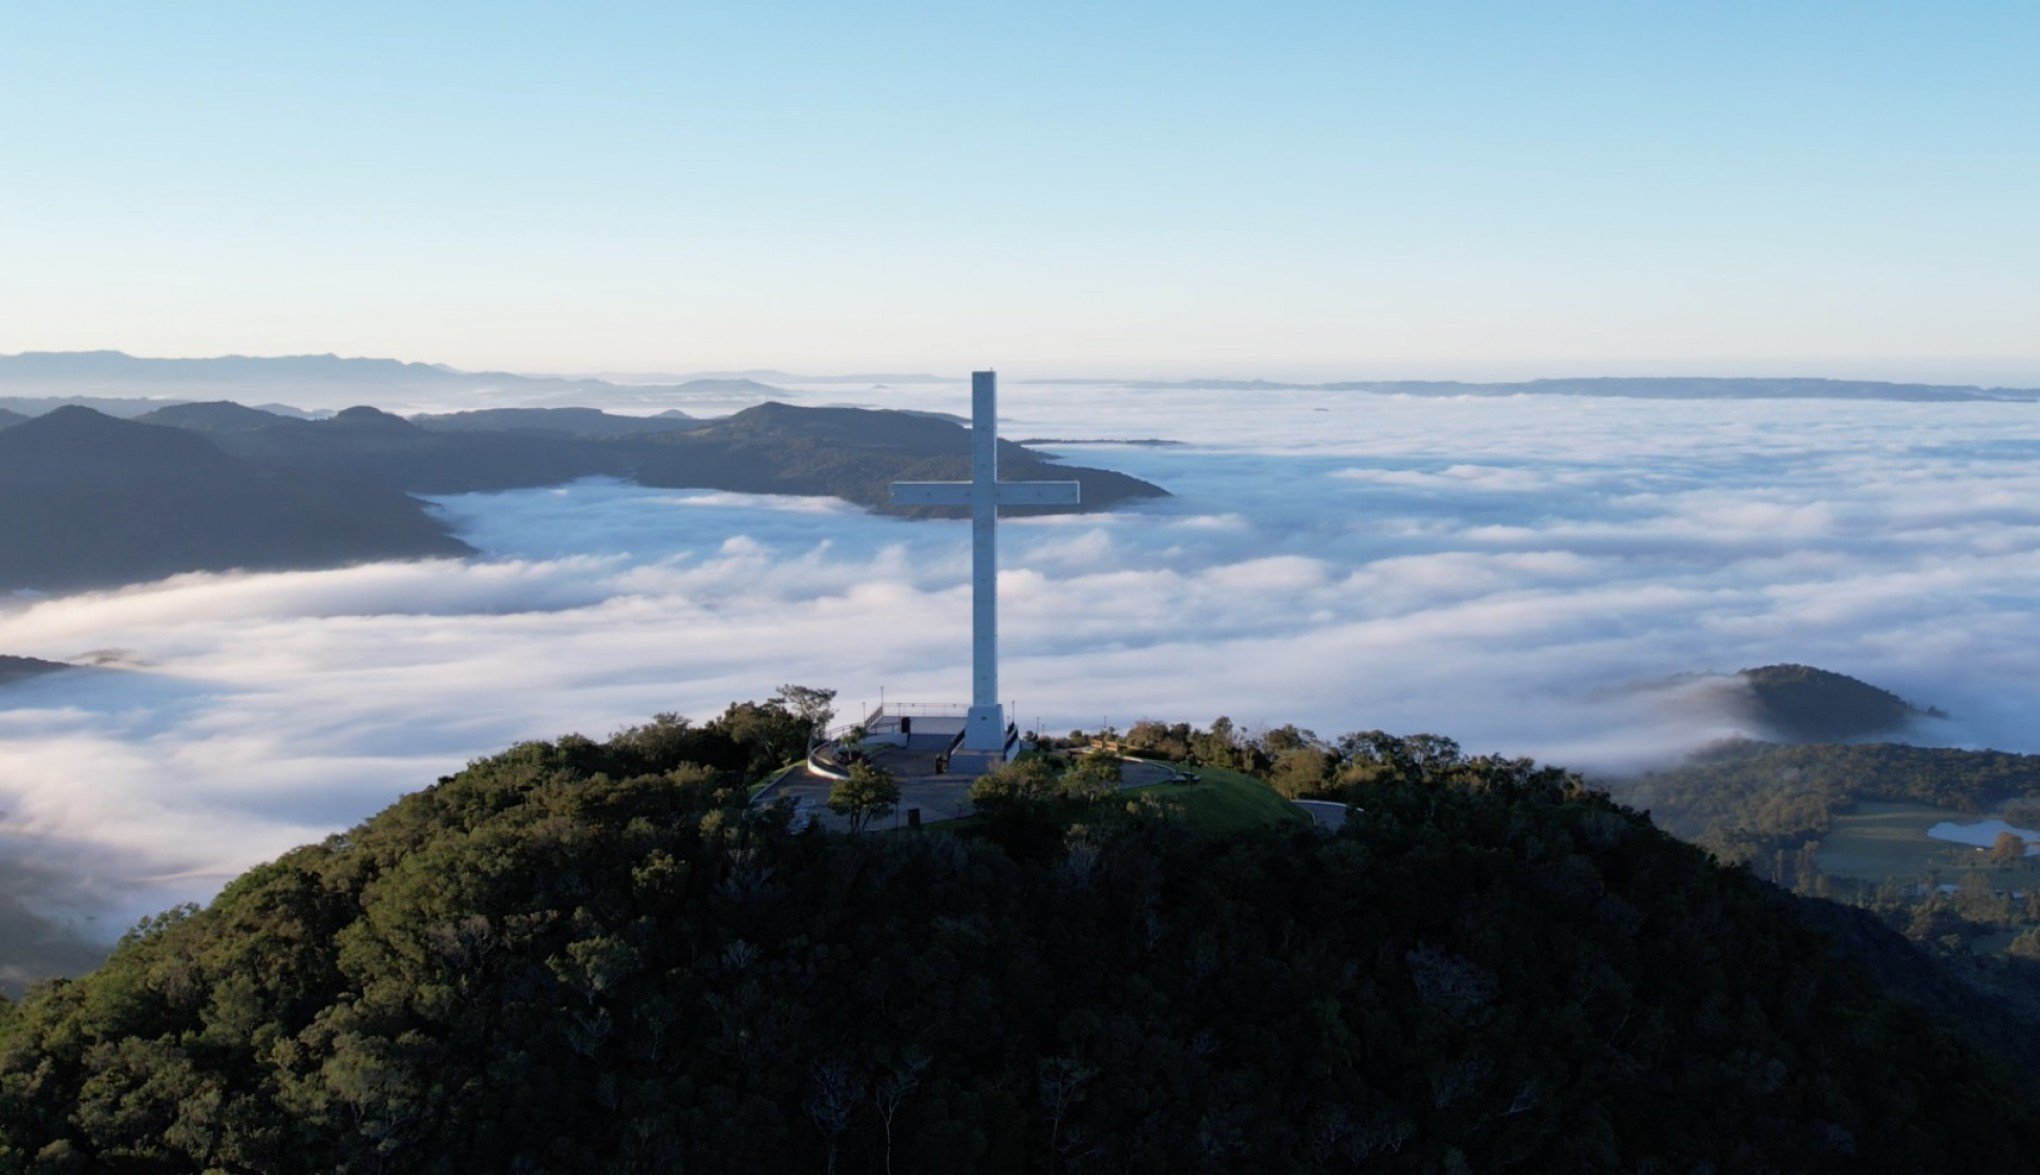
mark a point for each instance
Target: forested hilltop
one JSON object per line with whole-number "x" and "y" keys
{"x": 586, "y": 955}
{"x": 1802, "y": 704}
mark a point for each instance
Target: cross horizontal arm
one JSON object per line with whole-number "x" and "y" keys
{"x": 1039, "y": 493}
{"x": 931, "y": 493}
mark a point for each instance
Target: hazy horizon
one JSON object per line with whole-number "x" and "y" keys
{"x": 2022, "y": 374}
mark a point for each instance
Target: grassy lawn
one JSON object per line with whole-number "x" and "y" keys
{"x": 753, "y": 789}
{"x": 1225, "y": 801}
{"x": 1219, "y": 802}
{"x": 1880, "y": 839}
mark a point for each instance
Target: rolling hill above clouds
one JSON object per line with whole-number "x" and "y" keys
{"x": 1795, "y": 704}
{"x": 96, "y": 501}
{"x": 92, "y": 500}
{"x": 1799, "y": 703}
{"x": 13, "y": 669}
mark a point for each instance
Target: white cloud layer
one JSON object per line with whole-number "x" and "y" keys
{"x": 1504, "y": 571}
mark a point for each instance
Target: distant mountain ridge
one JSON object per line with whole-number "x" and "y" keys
{"x": 37, "y": 380}
{"x": 1632, "y": 387}
{"x": 313, "y": 381}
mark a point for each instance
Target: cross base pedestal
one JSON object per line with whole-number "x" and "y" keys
{"x": 985, "y": 729}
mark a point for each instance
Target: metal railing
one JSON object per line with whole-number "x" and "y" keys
{"x": 921, "y": 709}
{"x": 824, "y": 766}
{"x": 823, "y": 749}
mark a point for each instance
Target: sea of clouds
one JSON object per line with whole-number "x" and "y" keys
{"x": 1522, "y": 574}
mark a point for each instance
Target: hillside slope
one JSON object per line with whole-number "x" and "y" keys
{"x": 576, "y": 422}
{"x": 215, "y": 416}
{"x": 581, "y": 956}
{"x": 1744, "y": 800}
{"x": 1804, "y": 704}
{"x": 14, "y": 669}
{"x": 856, "y": 454}
{"x": 93, "y": 500}
{"x": 96, "y": 501}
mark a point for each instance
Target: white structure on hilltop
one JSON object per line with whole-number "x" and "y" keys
{"x": 984, "y": 493}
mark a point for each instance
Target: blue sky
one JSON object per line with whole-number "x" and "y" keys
{"x": 1332, "y": 189}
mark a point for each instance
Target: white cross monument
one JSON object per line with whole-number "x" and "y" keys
{"x": 984, "y": 493}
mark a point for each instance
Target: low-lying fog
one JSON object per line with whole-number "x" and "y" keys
{"x": 1505, "y": 571}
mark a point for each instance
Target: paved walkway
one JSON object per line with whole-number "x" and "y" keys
{"x": 1324, "y": 813}
{"x": 939, "y": 795}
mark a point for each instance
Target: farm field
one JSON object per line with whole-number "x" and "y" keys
{"x": 1877, "y": 840}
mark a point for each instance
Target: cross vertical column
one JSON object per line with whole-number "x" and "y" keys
{"x": 985, "y": 729}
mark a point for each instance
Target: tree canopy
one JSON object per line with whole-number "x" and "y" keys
{"x": 582, "y": 956}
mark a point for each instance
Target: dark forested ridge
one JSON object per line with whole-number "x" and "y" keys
{"x": 1803, "y": 704}
{"x": 855, "y": 454}
{"x": 22, "y": 668}
{"x": 94, "y": 501}
{"x": 593, "y": 956}
{"x": 91, "y": 500}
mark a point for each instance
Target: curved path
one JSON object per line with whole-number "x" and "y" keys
{"x": 938, "y": 795}
{"x": 1325, "y": 814}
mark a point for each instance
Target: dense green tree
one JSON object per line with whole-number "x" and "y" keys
{"x": 2008, "y": 849}
{"x": 581, "y": 956}
{"x": 869, "y": 792}
{"x": 1159, "y": 740}
{"x": 1217, "y": 747}
{"x": 1300, "y": 771}
{"x": 813, "y": 707}
{"x": 1091, "y": 777}
{"x": 1283, "y": 739}
{"x": 1018, "y": 803}
{"x": 771, "y": 734}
